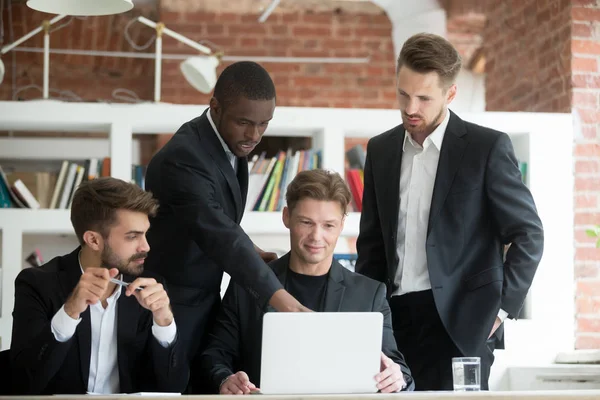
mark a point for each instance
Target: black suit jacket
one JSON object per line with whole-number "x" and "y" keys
{"x": 42, "y": 365}
{"x": 196, "y": 234}
{"x": 236, "y": 341}
{"x": 479, "y": 204}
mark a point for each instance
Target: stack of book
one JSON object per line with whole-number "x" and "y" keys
{"x": 24, "y": 189}
{"x": 270, "y": 177}
{"x": 355, "y": 158}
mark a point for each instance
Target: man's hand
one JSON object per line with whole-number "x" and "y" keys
{"x": 497, "y": 324}
{"x": 89, "y": 290}
{"x": 282, "y": 301}
{"x": 238, "y": 383}
{"x": 152, "y": 297}
{"x": 267, "y": 256}
{"x": 390, "y": 379}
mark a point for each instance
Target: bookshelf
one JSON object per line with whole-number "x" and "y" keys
{"x": 544, "y": 141}
{"x": 44, "y": 221}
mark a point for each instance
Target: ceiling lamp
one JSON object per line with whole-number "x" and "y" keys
{"x": 199, "y": 71}
{"x": 45, "y": 26}
{"x": 81, "y": 7}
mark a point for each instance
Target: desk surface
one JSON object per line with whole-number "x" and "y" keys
{"x": 527, "y": 395}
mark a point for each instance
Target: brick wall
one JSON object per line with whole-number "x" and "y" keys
{"x": 542, "y": 56}
{"x": 295, "y": 34}
{"x": 527, "y": 50}
{"x": 585, "y": 47}
{"x": 86, "y": 77}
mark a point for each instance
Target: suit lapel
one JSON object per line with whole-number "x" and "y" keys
{"x": 335, "y": 288}
{"x": 280, "y": 267}
{"x": 214, "y": 147}
{"x": 453, "y": 147}
{"x": 127, "y": 322}
{"x": 392, "y": 165}
{"x": 242, "y": 177}
{"x": 69, "y": 277}
{"x": 84, "y": 340}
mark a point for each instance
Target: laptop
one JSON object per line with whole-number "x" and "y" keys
{"x": 320, "y": 353}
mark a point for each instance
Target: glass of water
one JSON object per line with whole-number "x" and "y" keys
{"x": 466, "y": 373}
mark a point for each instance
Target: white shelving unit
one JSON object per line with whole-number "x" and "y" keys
{"x": 544, "y": 141}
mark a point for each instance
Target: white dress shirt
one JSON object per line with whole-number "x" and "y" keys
{"x": 230, "y": 156}
{"x": 417, "y": 179}
{"x": 104, "y": 368}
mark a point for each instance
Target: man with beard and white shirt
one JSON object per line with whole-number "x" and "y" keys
{"x": 74, "y": 329}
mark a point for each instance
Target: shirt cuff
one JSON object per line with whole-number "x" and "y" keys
{"x": 165, "y": 335}
{"x": 502, "y": 315}
{"x": 63, "y": 326}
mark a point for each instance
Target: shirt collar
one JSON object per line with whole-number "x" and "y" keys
{"x": 115, "y": 295}
{"x": 225, "y": 147}
{"x": 436, "y": 137}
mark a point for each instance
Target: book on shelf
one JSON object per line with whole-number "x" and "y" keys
{"x": 35, "y": 258}
{"x": 355, "y": 165}
{"x": 54, "y": 190}
{"x": 269, "y": 177}
{"x": 523, "y": 169}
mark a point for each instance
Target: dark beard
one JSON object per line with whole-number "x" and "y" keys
{"x": 428, "y": 128}
{"x": 110, "y": 260}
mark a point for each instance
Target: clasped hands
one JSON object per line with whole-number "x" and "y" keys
{"x": 94, "y": 282}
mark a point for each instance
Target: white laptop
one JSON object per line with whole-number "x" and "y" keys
{"x": 317, "y": 353}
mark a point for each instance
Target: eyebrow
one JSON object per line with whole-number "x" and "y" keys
{"x": 252, "y": 122}
{"x": 136, "y": 232}
{"x": 328, "y": 221}
{"x": 421, "y": 96}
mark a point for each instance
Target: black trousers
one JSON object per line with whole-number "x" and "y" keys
{"x": 427, "y": 348}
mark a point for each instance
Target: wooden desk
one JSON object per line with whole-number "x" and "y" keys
{"x": 528, "y": 395}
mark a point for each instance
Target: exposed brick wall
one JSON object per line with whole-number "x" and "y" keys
{"x": 585, "y": 47}
{"x": 527, "y": 49}
{"x": 542, "y": 56}
{"x": 89, "y": 78}
{"x": 295, "y": 34}
{"x": 465, "y": 21}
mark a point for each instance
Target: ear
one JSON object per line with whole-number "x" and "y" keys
{"x": 342, "y": 224}
{"x": 93, "y": 240}
{"x": 286, "y": 217}
{"x": 215, "y": 106}
{"x": 451, "y": 93}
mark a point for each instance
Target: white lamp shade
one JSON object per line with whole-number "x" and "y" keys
{"x": 201, "y": 72}
{"x": 81, "y": 7}
{"x": 1, "y": 71}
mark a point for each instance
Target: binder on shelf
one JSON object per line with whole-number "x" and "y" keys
{"x": 25, "y": 195}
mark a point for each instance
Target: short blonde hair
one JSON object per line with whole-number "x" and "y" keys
{"x": 318, "y": 184}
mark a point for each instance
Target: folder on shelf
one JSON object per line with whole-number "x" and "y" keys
{"x": 23, "y": 192}
{"x": 59, "y": 184}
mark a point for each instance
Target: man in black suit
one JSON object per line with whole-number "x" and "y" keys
{"x": 442, "y": 198}
{"x": 315, "y": 212}
{"x": 74, "y": 330}
{"x": 200, "y": 178}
